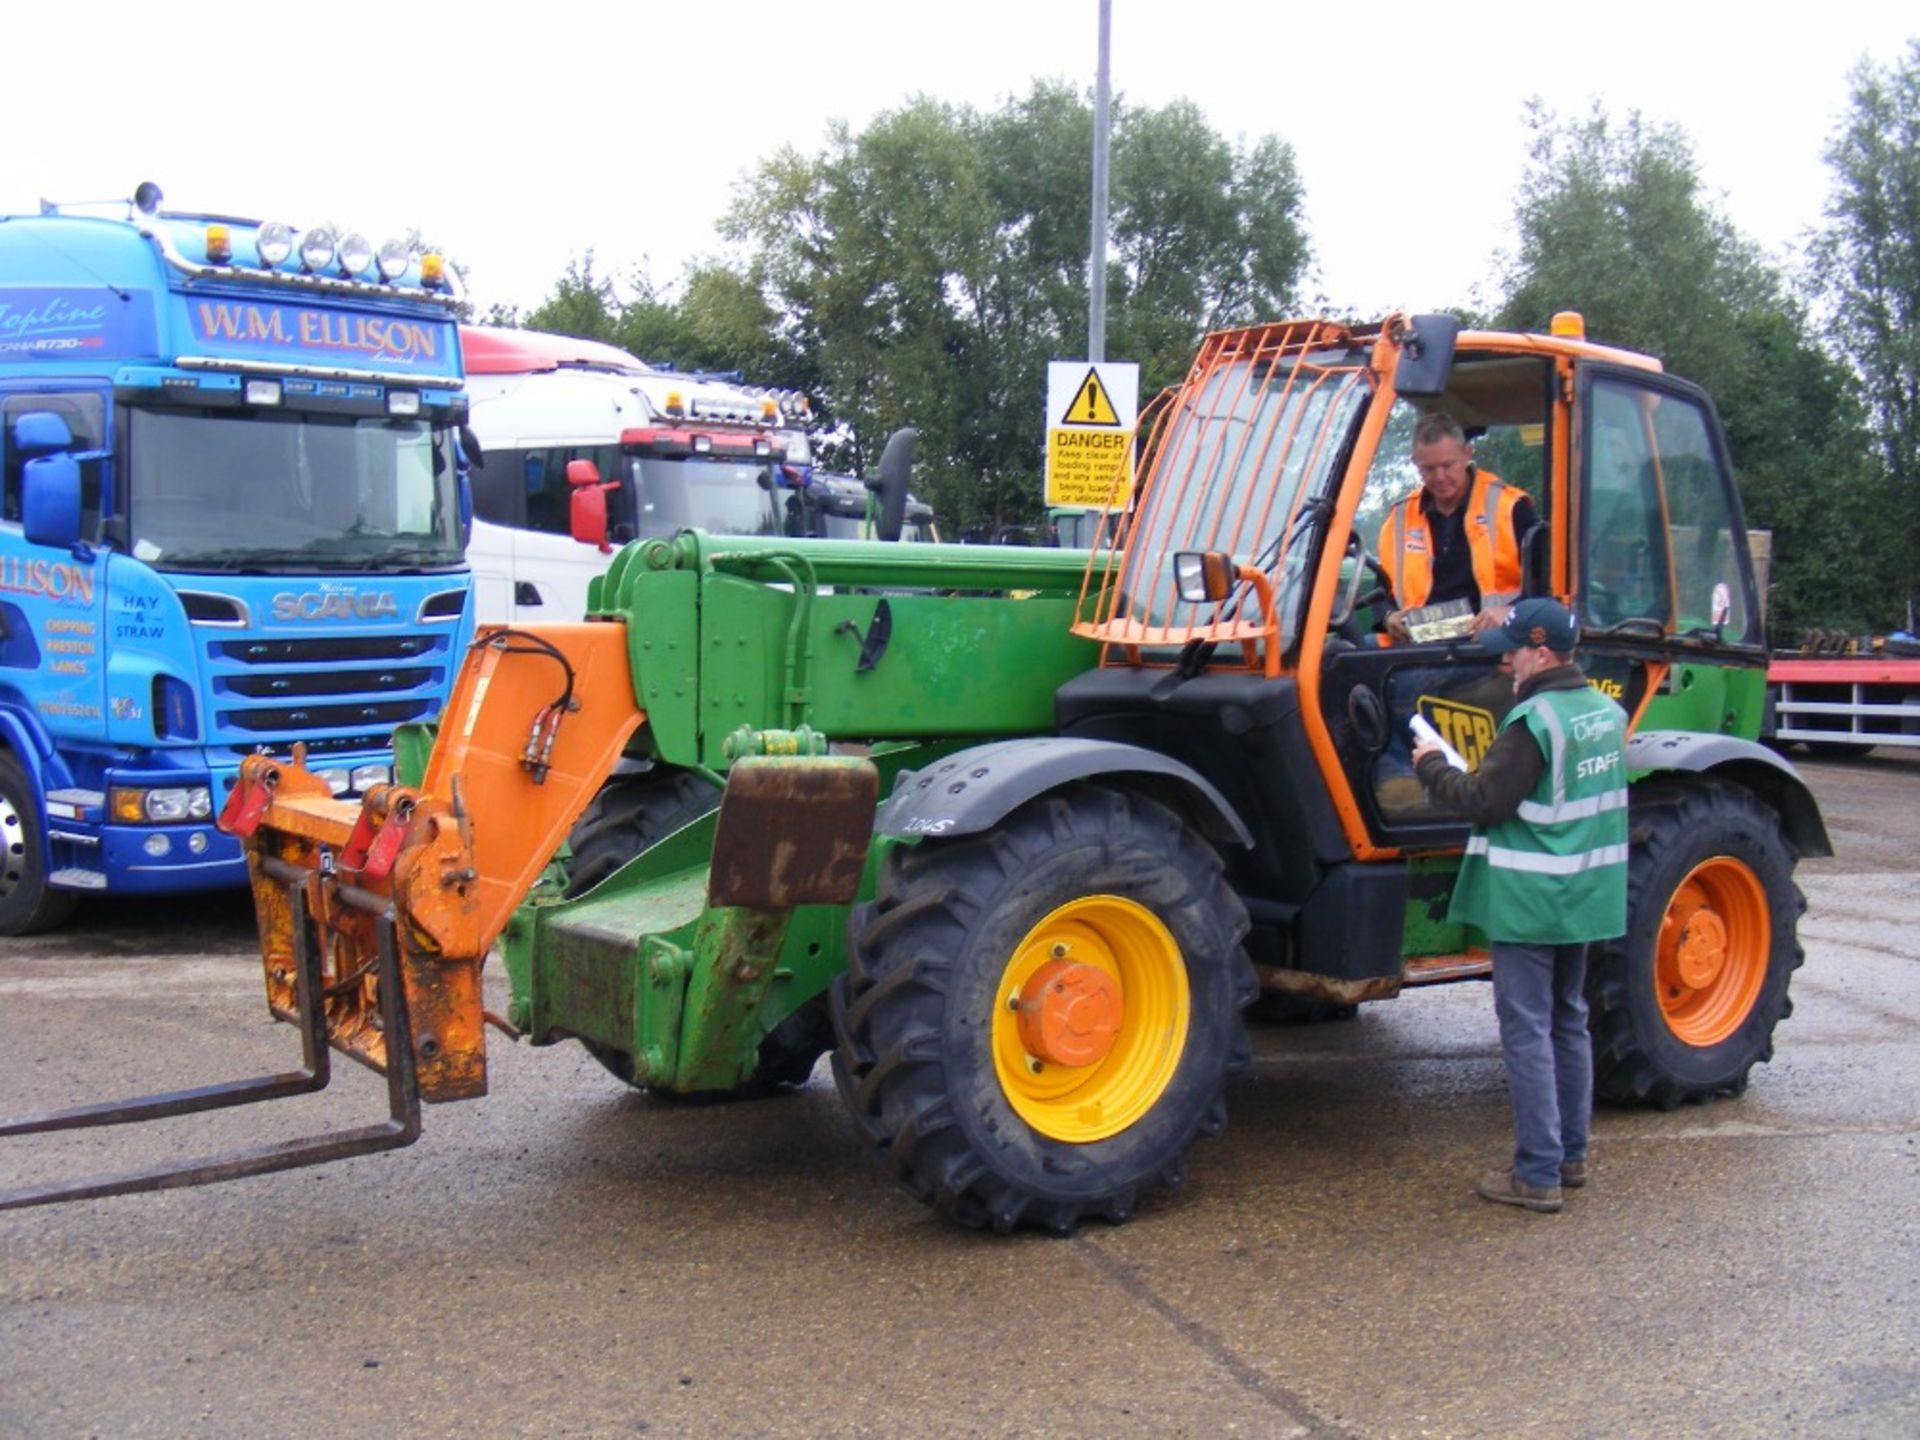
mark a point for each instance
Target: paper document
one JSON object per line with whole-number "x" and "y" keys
{"x": 1423, "y": 731}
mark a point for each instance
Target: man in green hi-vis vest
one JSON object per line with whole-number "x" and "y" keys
{"x": 1544, "y": 875}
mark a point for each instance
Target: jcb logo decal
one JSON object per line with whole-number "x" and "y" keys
{"x": 1467, "y": 728}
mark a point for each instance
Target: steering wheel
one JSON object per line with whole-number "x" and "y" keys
{"x": 1347, "y": 627}
{"x": 1383, "y": 590}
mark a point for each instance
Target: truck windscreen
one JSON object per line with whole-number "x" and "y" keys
{"x": 292, "y": 491}
{"x": 722, "y": 497}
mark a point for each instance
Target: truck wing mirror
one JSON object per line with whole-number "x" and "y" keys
{"x": 896, "y": 466}
{"x": 41, "y": 432}
{"x": 50, "y": 500}
{"x": 587, "y": 505}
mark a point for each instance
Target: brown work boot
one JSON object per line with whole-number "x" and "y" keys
{"x": 1573, "y": 1174}
{"x": 1504, "y": 1188}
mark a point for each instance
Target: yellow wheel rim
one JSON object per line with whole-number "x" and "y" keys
{"x": 1135, "y": 982}
{"x": 1713, "y": 949}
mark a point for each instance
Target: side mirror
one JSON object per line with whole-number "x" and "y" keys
{"x": 41, "y": 432}
{"x": 587, "y": 505}
{"x": 1426, "y": 356}
{"x": 896, "y": 466}
{"x": 1203, "y": 577}
{"x": 587, "y": 517}
{"x": 50, "y": 501}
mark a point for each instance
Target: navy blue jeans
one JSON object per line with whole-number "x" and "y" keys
{"x": 1537, "y": 993}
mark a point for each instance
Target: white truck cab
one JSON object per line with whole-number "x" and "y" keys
{"x": 672, "y": 450}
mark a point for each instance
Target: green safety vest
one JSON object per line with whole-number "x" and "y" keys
{"x": 1555, "y": 872}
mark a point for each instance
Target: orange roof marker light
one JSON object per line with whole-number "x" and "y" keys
{"x": 1568, "y": 325}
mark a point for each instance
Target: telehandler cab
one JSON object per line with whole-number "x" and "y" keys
{"x": 1128, "y": 790}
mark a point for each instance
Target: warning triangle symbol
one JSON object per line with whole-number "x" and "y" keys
{"x": 1090, "y": 404}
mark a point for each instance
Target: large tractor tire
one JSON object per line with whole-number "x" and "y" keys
{"x": 630, "y": 814}
{"x": 27, "y": 903}
{"x": 1685, "y": 1003}
{"x": 1037, "y": 1022}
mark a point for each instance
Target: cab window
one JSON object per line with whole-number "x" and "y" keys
{"x": 85, "y": 414}
{"x": 1502, "y": 405}
{"x": 527, "y": 488}
{"x": 1661, "y": 516}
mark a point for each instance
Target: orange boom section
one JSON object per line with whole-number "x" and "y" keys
{"x": 534, "y": 726}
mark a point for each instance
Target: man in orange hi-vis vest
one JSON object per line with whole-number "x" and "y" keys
{"x": 1456, "y": 537}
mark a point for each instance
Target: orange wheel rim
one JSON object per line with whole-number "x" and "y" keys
{"x": 1713, "y": 949}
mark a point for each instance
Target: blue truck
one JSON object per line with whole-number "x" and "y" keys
{"x": 232, "y": 518}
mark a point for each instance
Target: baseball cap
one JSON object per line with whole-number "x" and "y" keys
{"x": 1534, "y": 622}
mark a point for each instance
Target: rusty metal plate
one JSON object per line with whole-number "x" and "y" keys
{"x": 793, "y": 831}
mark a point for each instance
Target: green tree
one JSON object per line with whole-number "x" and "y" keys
{"x": 721, "y": 321}
{"x": 1866, "y": 262}
{"x": 932, "y": 264}
{"x": 1614, "y": 222}
{"x": 580, "y": 303}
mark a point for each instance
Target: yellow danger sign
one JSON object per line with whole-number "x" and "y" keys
{"x": 1091, "y": 409}
{"x": 1089, "y": 468}
{"x": 1091, "y": 404}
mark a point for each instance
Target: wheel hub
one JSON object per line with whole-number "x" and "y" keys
{"x": 13, "y": 849}
{"x": 1702, "y": 952}
{"x": 1070, "y": 1013}
{"x": 1090, "y": 1018}
{"x": 1712, "y": 954}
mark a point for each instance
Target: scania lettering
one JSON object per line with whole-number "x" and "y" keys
{"x": 230, "y": 520}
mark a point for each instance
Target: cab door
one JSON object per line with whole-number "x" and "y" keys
{"x": 1515, "y": 413}
{"x": 1663, "y": 586}
{"x": 53, "y": 645}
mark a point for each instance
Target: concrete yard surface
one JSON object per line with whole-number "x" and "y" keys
{"x": 570, "y": 1258}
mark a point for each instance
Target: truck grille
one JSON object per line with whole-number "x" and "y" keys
{"x": 337, "y": 693}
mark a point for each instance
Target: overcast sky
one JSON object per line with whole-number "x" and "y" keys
{"x": 518, "y": 136}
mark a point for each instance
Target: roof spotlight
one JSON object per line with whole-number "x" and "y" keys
{"x": 274, "y": 242}
{"x": 356, "y": 254}
{"x": 395, "y": 257}
{"x": 316, "y": 249}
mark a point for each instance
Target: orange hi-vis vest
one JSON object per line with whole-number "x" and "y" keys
{"x": 1406, "y": 543}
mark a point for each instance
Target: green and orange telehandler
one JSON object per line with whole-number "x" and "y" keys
{"x": 1127, "y": 791}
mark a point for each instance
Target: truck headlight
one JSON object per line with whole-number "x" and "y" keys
{"x": 161, "y": 805}
{"x": 365, "y": 777}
